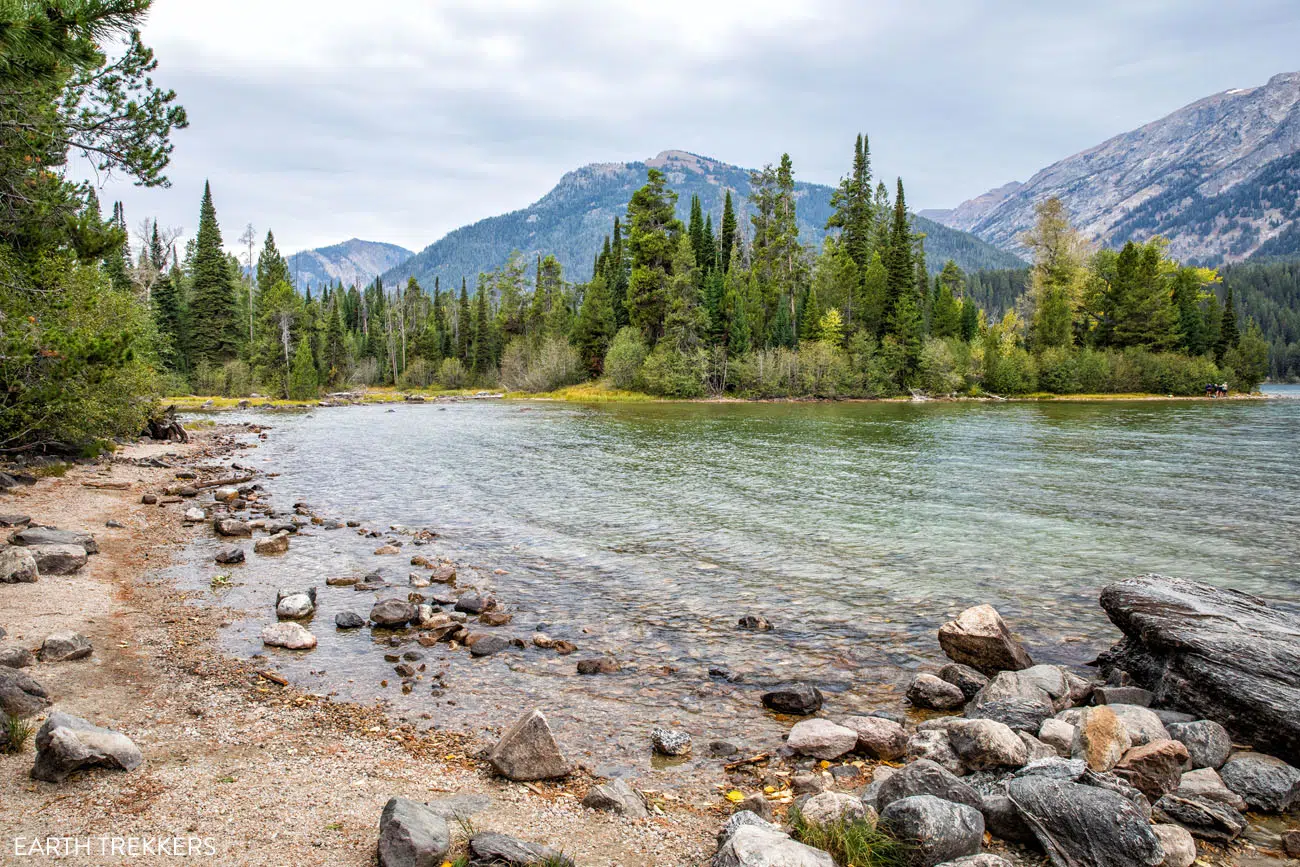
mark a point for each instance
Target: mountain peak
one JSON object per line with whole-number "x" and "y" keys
{"x": 1219, "y": 177}
{"x": 684, "y": 160}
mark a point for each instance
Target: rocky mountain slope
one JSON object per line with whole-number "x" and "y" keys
{"x": 350, "y": 262}
{"x": 572, "y": 220}
{"x": 1220, "y": 178}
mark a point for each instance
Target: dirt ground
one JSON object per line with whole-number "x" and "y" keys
{"x": 260, "y": 773}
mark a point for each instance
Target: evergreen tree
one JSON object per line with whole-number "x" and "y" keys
{"x": 1229, "y": 335}
{"x": 653, "y": 232}
{"x": 335, "y": 349}
{"x": 463, "y": 326}
{"x": 853, "y": 214}
{"x": 696, "y": 231}
{"x": 594, "y": 328}
{"x": 617, "y": 276}
{"x": 303, "y": 383}
{"x": 811, "y": 317}
{"x": 271, "y": 266}
{"x": 945, "y": 316}
{"x": 970, "y": 320}
{"x": 908, "y": 328}
{"x": 482, "y": 361}
{"x": 212, "y": 301}
{"x": 873, "y": 297}
{"x": 685, "y": 319}
{"x": 899, "y": 264}
{"x": 728, "y": 236}
{"x": 710, "y": 244}
{"x": 1143, "y": 312}
{"x": 1191, "y": 327}
{"x": 115, "y": 260}
{"x": 166, "y": 302}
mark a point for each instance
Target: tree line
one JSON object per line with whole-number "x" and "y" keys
{"x": 94, "y": 328}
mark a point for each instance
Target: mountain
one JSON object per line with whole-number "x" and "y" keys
{"x": 572, "y": 220}
{"x": 1220, "y": 178}
{"x": 353, "y": 261}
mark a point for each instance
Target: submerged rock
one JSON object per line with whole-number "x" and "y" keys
{"x": 670, "y": 742}
{"x": 229, "y": 555}
{"x": 66, "y": 744}
{"x": 800, "y": 699}
{"x": 392, "y": 613}
{"x": 978, "y": 637}
{"x": 1218, "y": 654}
{"x": 289, "y": 635}
{"x": 349, "y": 620}
{"x": 277, "y": 544}
{"x": 528, "y": 751}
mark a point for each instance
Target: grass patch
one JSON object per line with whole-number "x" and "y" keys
{"x": 850, "y": 842}
{"x": 226, "y": 779}
{"x": 591, "y": 392}
{"x": 15, "y": 734}
{"x": 219, "y": 581}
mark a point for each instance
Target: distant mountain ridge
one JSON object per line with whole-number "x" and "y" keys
{"x": 572, "y": 220}
{"x": 1220, "y": 178}
{"x": 350, "y": 262}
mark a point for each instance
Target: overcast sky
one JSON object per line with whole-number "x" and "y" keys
{"x": 400, "y": 120}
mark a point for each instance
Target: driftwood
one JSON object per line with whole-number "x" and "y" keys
{"x": 172, "y": 490}
{"x": 166, "y": 427}
{"x": 752, "y": 760}
{"x": 274, "y": 678}
{"x": 111, "y": 486}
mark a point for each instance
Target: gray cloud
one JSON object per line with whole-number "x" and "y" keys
{"x": 423, "y": 117}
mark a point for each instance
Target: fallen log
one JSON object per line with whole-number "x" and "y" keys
{"x": 109, "y": 486}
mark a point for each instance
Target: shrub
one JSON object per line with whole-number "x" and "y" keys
{"x": 624, "y": 359}
{"x": 824, "y": 370}
{"x": 850, "y": 841}
{"x": 418, "y": 374}
{"x": 451, "y": 373}
{"x": 672, "y": 373}
{"x": 1013, "y": 373}
{"x": 942, "y": 371}
{"x": 365, "y": 372}
{"x": 767, "y": 373}
{"x": 1092, "y": 371}
{"x": 533, "y": 366}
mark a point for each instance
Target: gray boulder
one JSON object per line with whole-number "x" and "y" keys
{"x": 1017, "y": 702}
{"x": 984, "y": 859}
{"x": 1267, "y": 783}
{"x": 13, "y": 656}
{"x": 228, "y": 555}
{"x": 828, "y": 807}
{"x": 984, "y": 744}
{"x": 739, "y": 819}
{"x": 1142, "y": 723}
{"x": 672, "y": 742}
{"x": 934, "y": 829}
{"x": 289, "y": 635}
{"x": 20, "y": 694}
{"x": 878, "y": 737}
{"x": 821, "y": 739}
{"x": 66, "y": 744}
{"x": 528, "y": 751}
{"x": 1084, "y": 826}
{"x": 54, "y": 536}
{"x": 1122, "y": 695}
{"x": 412, "y": 835}
{"x": 1057, "y": 734}
{"x": 1208, "y": 744}
{"x": 18, "y": 566}
{"x": 488, "y": 645}
{"x": 295, "y": 604}
{"x": 65, "y": 647}
{"x": 924, "y": 777}
{"x": 928, "y": 691}
{"x": 1206, "y": 783}
{"x": 616, "y": 796}
{"x": 1036, "y": 749}
{"x": 799, "y": 699}
{"x": 58, "y": 559}
{"x": 1178, "y": 845}
{"x": 965, "y": 678}
{"x": 933, "y": 745}
{"x": 499, "y": 850}
{"x": 1003, "y": 820}
{"x": 1218, "y": 654}
{"x": 231, "y": 527}
{"x": 754, "y": 845}
{"x": 978, "y": 637}
{"x": 1206, "y": 819}
{"x": 392, "y": 613}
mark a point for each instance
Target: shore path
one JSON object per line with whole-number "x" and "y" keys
{"x": 270, "y": 775}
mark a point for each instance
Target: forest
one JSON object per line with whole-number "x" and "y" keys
{"x": 96, "y": 328}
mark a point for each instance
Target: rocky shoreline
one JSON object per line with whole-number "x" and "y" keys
{"x": 1132, "y": 764}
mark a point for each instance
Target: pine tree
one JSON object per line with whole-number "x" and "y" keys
{"x": 335, "y": 349}
{"x": 463, "y": 326}
{"x": 710, "y": 261}
{"x": 1191, "y": 327}
{"x": 212, "y": 305}
{"x": 483, "y": 348}
{"x": 945, "y": 316}
{"x": 1229, "y": 334}
{"x": 696, "y": 231}
{"x": 594, "y": 327}
{"x": 811, "y": 317}
{"x": 166, "y": 303}
{"x": 653, "y": 232}
{"x": 728, "y": 237}
{"x": 898, "y": 260}
{"x": 970, "y": 320}
{"x": 1143, "y": 311}
{"x": 271, "y": 266}
{"x": 685, "y": 319}
{"x": 303, "y": 384}
{"x": 115, "y": 260}
{"x": 617, "y": 275}
{"x": 853, "y": 214}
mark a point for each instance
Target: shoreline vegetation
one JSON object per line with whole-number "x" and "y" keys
{"x": 100, "y": 322}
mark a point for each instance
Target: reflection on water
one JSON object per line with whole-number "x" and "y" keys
{"x": 646, "y": 530}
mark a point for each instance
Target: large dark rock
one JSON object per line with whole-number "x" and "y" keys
{"x": 1267, "y": 783}
{"x": 1084, "y": 826}
{"x": 924, "y": 777}
{"x": 1209, "y": 820}
{"x": 1208, "y": 744}
{"x": 800, "y": 699}
{"x": 1217, "y": 654}
{"x": 1017, "y": 702}
{"x": 412, "y": 835}
{"x": 20, "y": 694}
{"x": 934, "y": 830}
{"x": 54, "y": 536}
{"x": 528, "y": 751}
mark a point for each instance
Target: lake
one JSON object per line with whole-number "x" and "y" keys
{"x": 645, "y": 530}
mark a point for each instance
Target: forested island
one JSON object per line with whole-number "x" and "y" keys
{"x": 95, "y": 331}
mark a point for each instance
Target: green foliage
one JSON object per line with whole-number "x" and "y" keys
{"x": 673, "y": 372}
{"x": 1248, "y": 360}
{"x": 452, "y": 373}
{"x": 855, "y": 842}
{"x": 594, "y": 328}
{"x": 302, "y": 374}
{"x": 623, "y": 361}
{"x": 538, "y": 366}
{"x": 653, "y": 233}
